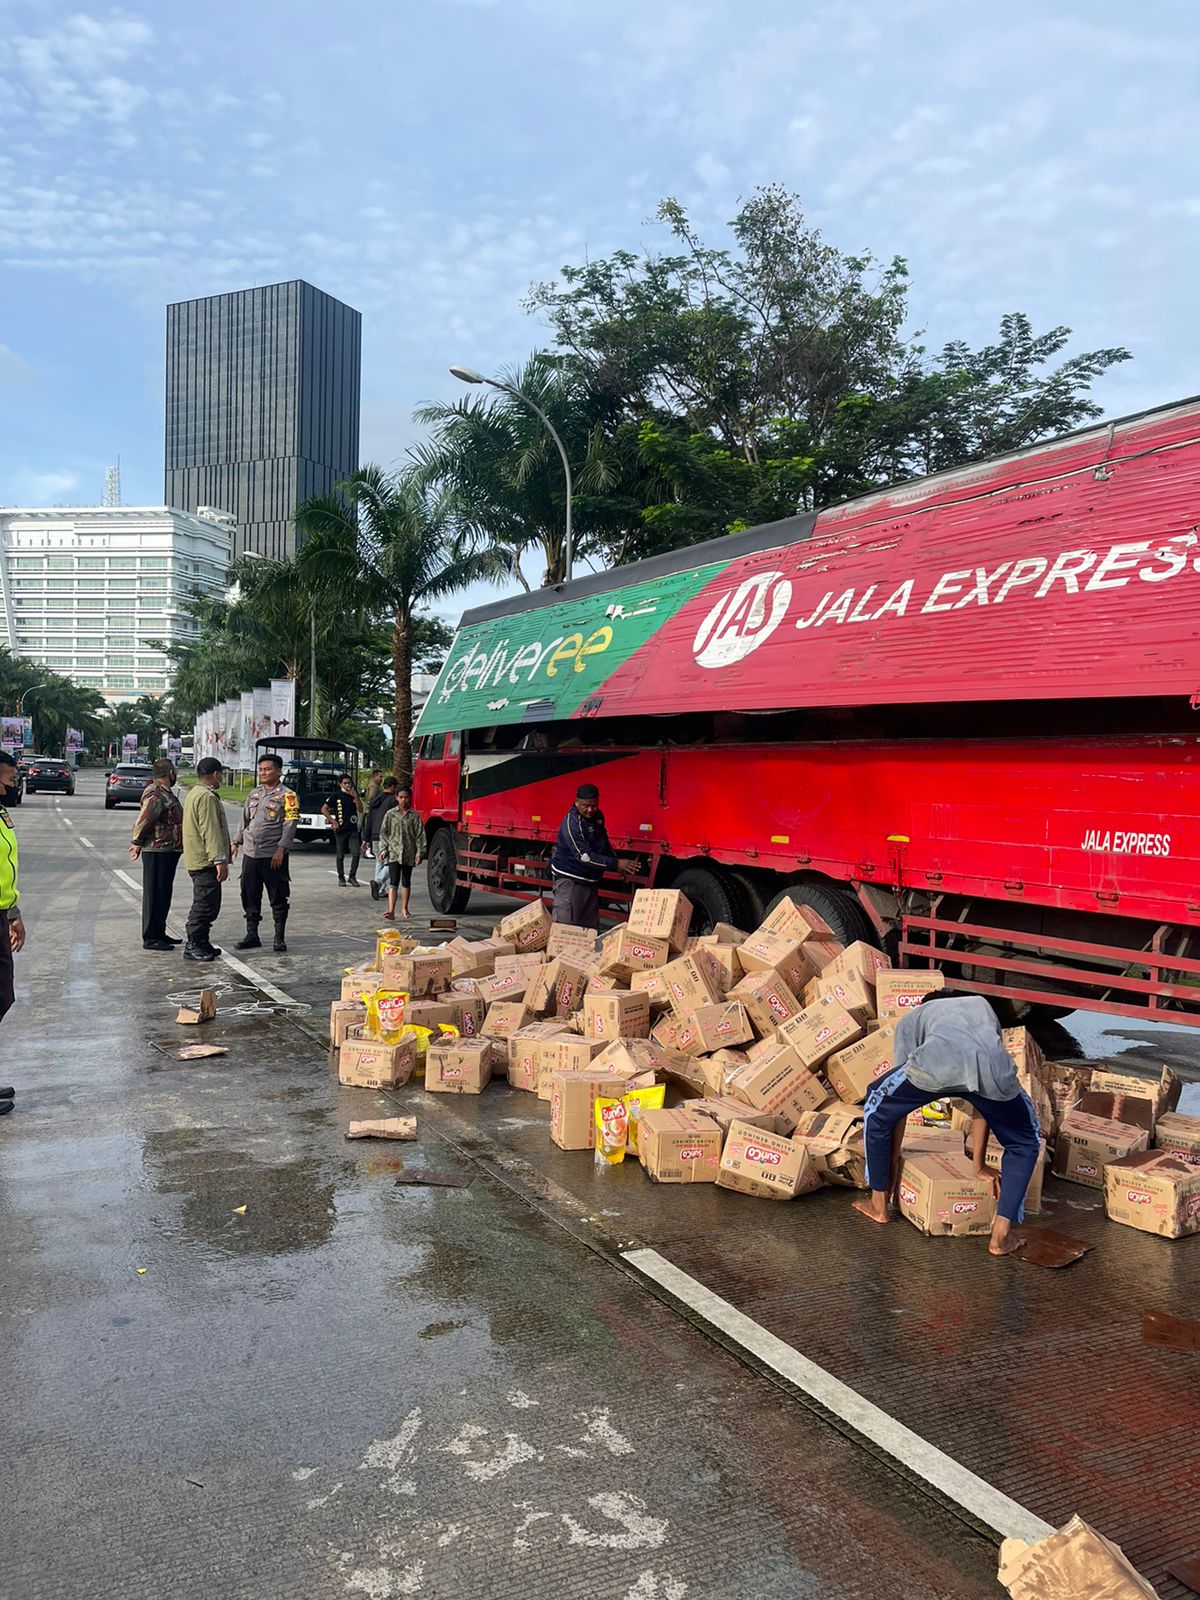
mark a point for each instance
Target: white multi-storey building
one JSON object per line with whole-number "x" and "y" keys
{"x": 88, "y": 590}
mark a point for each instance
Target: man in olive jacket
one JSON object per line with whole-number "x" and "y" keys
{"x": 206, "y": 857}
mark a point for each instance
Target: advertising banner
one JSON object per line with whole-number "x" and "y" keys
{"x": 27, "y": 732}
{"x": 247, "y": 728}
{"x": 129, "y": 746}
{"x": 233, "y": 730}
{"x": 174, "y": 747}
{"x": 74, "y": 741}
{"x": 12, "y": 733}
{"x": 283, "y": 707}
{"x": 262, "y": 714}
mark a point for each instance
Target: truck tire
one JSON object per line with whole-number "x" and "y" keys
{"x": 449, "y": 898}
{"x": 839, "y": 909}
{"x": 716, "y": 896}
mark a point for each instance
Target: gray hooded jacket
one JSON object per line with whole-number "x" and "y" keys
{"x": 950, "y": 1045}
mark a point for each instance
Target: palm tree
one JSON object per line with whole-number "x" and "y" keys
{"x": 504, "y": 471}
{"x": 149, "y": 711}
{"x": 389, "y": 541}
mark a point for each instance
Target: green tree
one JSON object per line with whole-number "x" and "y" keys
{"x": 391, "y": 541}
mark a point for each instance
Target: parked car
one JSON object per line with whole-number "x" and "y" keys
{"x": 48, "y": 772}
{"x": 126, "y": 783}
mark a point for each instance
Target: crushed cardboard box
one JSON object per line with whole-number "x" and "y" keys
{"x": 1076, "y": 1563}
{"x": 1085, "y": 1145}
{"x": 766, "y": 1165}
{"x": 384, "y": 1128}
{"x": 357, "y": 984}
{"x": 1179, "y": 1136}
{"x": 204, "y": 1010}
{"x": 834, "y": 1139}
{"x": 778, "y": 1082}
{"x": 344, "y": 1015}
{"x": 717, "y": 1027}
{"x": 940, "y": 1195}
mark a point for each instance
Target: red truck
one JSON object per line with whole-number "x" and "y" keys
{"x": 956, "y": 716}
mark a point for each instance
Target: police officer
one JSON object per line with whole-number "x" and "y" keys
{"x": 264, "y": 837}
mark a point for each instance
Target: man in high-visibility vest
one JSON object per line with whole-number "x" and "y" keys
{"x": 12, "y": 928}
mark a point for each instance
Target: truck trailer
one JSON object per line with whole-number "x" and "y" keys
{"x": 956, "y": 716}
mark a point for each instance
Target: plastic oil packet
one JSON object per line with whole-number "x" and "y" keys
{"x": 612, "y": 1129}
{"x": 385, "y": 1014}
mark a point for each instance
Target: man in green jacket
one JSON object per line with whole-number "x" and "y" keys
{"x": 206, "y": 857}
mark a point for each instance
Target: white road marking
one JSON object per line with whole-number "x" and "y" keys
{"x": 87, "y": 842}
{"x": 119, "y": 872}
{"x": 949, "y": 1477}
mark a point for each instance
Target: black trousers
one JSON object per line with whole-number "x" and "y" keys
{"x": 343, "y": 842}
{"x": 258, "y": 874}
{"x": 206, "y": 905}
{"x": 7, "y": 996}
{"x": 158, "y": 885}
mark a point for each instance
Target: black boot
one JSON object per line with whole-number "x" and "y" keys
{"x": 280, "y": 944}
{"x": 198, "y": 952}
{"x": 251, "y": 941}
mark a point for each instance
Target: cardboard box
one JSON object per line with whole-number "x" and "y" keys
{"x": 526, "y": 965}
{"x": 1164, "y": 1092}
{"x": 357, "y": 984}
{"x": 468, "y": 1012}
{"x": 623, "y": 953}
{"x": 417, "y": 973}
{"x": 792, "y": 921}
{"x": 504, "y": 1018}
{"x": 475, "y": 958}
{"x": 429, "y": 1013}
{"x": 577, "y": 945}
{"x": 666, "y": 1032}
{"x": 1085, "y": 1146}
{"x": 616, "y": 1016}
{"x": 462, "y": 1066}
{"x": 522, "y": 1052}
{"x": 766, "y": 1165}
{"x": 994, "y": 1155}
{"x": 852, "y": 1071}
{"x": 940, "y": 1195}
{"x": 501, "y": 986}
{"x": 850, "y": 990}
{"x": 1155, "y": 1191}
{"x": 780, "y": 1083}
{"x": 653, "y": 985}
{"x": 719, "y": 1027}
{"x": 1024, "y": 1049}
{"x": 661, "y": 914}
{"x": 819, "y": 1030}
{"x": 371, "y": 1064}
{"x": 556, "y": 989}
{"x": 833, "y": 1138}
{"x": 570, "y": 1052}
{"x": 1075, "y": 1563}
{"x": 724, "y": 1110}
{"x": 1136, "y": 1110}
{"x": 931, "y": 1139}
{"x": 763, "y": 952}
{"x": 897, "y": 992}
{"x": 857, "y": 960}
{"x": 677, "y": 1146}
{"x": 822, "y": 952}
{"x": 1179, "y": 1136}
{"x": 343, "y": 1015}
{"x": 689, "y": 985}
{"x": 573, "y": 1097}
{"x": 722, "y": 961}
{"x": 768, "y": 997}
{"x": 1065, "y": 1081}
{"x": 204, "y": 1010}
{"x": 527, "y": 928}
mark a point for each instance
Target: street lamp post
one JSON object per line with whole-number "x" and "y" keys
{"x": 469, "y": 375}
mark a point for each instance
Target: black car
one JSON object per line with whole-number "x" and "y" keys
{"x": 43, "y": 773}
{"x": 126, "y": 784}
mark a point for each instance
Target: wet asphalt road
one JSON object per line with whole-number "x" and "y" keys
{"x": 350, "y": 1388}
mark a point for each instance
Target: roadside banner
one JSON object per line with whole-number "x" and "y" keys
{"x": 233, "y": 731}
{"x": 27, "y": 732}
{"x": 262, "y": 714}
{"x": 129, "y": 746}
{"x": 74, "y": 740}
{"x": 283, "y": 707}
{"x": 174, "y": 747}
{"x": 247, "y": 728}
{"x": 12, "y": 733}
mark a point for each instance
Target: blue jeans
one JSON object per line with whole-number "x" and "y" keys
{"x": 1014, "y": 1123}
{"x": 381, "y": 873}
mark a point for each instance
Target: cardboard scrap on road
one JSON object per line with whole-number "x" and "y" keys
{"x": 204, "y": 1010}
{"x": 197, "y": 1052}
{"x": 1045, "y": 1247}
{"x": 1172, "y": 1333}
{"x": 384, "y": 1128}
{"x": 436, "y": 1180}
{"x": 1067, "y": 1565}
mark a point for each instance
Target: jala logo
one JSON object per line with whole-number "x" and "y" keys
{"x": 742, "y": 620}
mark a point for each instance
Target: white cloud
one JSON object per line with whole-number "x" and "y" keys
{"x": 15, "y": 372}
{"x": 50, "y": 485}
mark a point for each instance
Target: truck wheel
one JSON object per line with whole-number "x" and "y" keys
{"x": 441, "y": 873}
{"x": 839, "y": 909}
{"x": 716, "y": 896}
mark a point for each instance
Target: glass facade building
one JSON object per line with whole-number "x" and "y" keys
{"x": 262, "y": 406}
{"x": 93, "y": 591}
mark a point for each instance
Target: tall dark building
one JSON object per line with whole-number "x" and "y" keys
{"x": 262, "y": 405}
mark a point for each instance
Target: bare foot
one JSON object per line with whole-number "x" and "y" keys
{"x": 869, "y": 1208}
{"x": 1005, "y": 1247}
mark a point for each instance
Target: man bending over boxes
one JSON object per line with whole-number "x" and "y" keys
{"x": 950, "y": 1046}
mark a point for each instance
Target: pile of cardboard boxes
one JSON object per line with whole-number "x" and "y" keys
{"x": 767, "y": 1043}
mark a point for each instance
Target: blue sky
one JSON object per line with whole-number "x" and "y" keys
{"x": 427, "y": 161}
